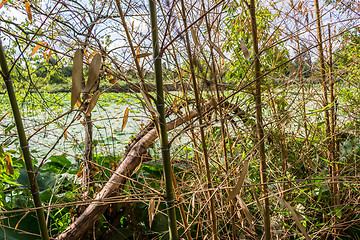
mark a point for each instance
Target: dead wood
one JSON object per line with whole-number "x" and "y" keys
{"x": 128, "y": 164}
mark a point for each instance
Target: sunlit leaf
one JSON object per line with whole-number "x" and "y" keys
{"x": 77, "y": 76}
{"x": 94, "y": 71}
{"x": 125, "y": 118}
{"x": 37, "y": 47}
{"x": 28, "y": 10}
{"x": 3, "y": 2}
{"x": 93, "y": 102}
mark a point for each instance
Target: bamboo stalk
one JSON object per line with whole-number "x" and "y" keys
{"x": 222, "y": 120}
{"x": 202, "y": 132}
{"x": 327, "y": 141}
{"x": 24, "y": 146}
{"x": 259, "y": 121}
{"x": 165, "y": 150}
{"x": 86, "y": 178}
{"x": 323, "y": 77}
{"x": 333, "y": 140}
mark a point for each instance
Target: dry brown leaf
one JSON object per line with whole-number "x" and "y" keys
{"x": 137, "y": 52}
{"x": 112, "y": 81}
{"x": 28, "y": 10}
{"x": 239, "y": 184}
{"x": 132, "y": 27}
{"x": 142, "y": 55}
{"x": 94, "y": 71}
{"x": 17, "y": 224}
{"x": 194, "y": 36}
{"x": 138, "y": 167}
{"x": 246, "y": 211}
{"x": 65, "y": 134}
{"x": 3, "y": 2}
{"x": 149, "y": 106}
{"x": 93, "y": 54}
{"x": 9, "y": 167}
{"x": 293, "y": 214}
{"x": 175, "y": 107}
{"x": 93, "y": 102}
{"x": 2, "y": 118}
{"x": 125, "y": 118}
{"x": 244, "y": 49}
{"x": 151, "y": 211}
{"x": 218, "y": 50}
{"x": 77, "y": 76}
{"x": 37, "y": 47}
{"x": 86, "y": 56}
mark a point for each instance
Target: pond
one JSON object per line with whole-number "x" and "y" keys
{"x": 39, "y": 110}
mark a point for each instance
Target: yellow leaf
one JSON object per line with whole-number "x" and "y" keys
{"x": 39, "y": 45}
{"x": 137, "y": 53}
{"x": 28, "y": 10}
{"x": 86, "y": 56}
{"x": 93, "y": 54}
{"x": 125, "y": 118}
{"x": 65, "y": 134}
{"x": 175, "y": 107}
{"x": 49, "y": 55}
{"x": 3, "y": 3}
{"x": 9, "y": 168}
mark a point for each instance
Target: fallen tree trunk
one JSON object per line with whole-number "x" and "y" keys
{"x": 128, "y": 164}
